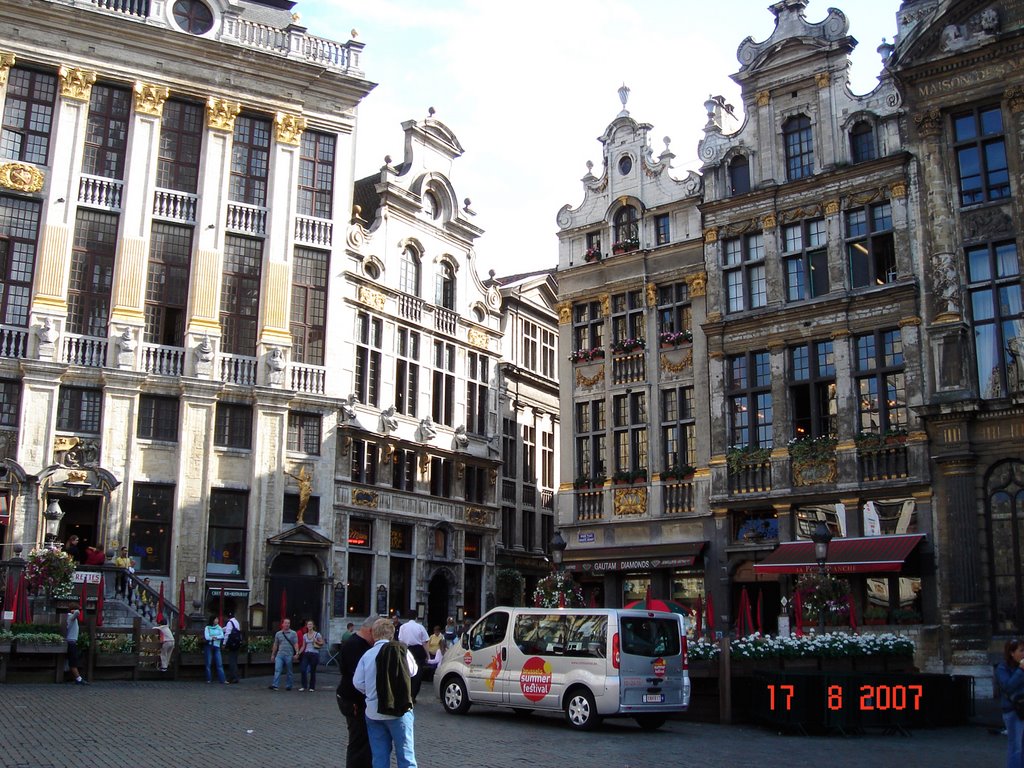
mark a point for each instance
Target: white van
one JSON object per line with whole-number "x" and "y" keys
{"x": 589, "y": 663}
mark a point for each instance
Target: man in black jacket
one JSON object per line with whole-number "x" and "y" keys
{"x": 351, "y": 702}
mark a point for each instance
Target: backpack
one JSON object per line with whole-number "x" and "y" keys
{"x": 234, "y": 640}
{"x": 394, "y": 684}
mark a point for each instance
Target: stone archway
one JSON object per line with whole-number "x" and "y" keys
{"x": 300, "y": 579}
{"x": 439, "y": 598}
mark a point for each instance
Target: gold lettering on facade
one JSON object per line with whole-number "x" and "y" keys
{"x": 371, "y": 298}
{"x": 149, "y": 99}
{"x": 76, "y": 83}
{"x": 21, "y": 177}
{"x": 289, "y": 128}
{"x": 221, "y": 114}
{"x": 6, "y": 62}
{"x": 564, "y": 313}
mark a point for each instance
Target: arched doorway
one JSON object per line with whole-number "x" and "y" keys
{"x": 439, "y": 599}
{"x": 299, "y": 579}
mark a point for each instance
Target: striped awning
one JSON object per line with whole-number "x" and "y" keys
{"x": 869, "y": 554}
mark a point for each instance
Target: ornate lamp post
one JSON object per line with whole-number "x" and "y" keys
{"x": 52, "y": 514}
{"x": 821, "y": 537}
{"x": 558, "y": 545}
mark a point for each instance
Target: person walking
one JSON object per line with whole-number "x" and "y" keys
{"x": 167, "y": 646}
{"x": 351, "y": 701}
{"x": 312, "y": 642}
{"x": 71, "y": 636}
{"x": 232, "y": 644}
{"x": 387, "y": 685}
{"x": 124, "y": 562}
{"x": 214, "y": 638}
{"x": 1010, "y": 674}
{"x": 415, "y": 636}
{"x": 283, "y": 653}
{"x": 450, "y": 631}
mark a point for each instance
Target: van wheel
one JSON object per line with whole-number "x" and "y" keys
{"x": 454, "y": 696}
{"x": 580, "y": 710}
{"x": 651, "y": 722}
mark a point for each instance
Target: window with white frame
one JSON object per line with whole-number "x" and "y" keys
{"x": 478, "y": 369}
{"x": 443, "y": 395}
{"x": 407, "y": 371}
{"x": 369, "y": 342}
{"x": 749, "y": 386}
{"x": 870, "y": 245}
{"x": 805, "y": 256}
{"x": 746, "y": 286}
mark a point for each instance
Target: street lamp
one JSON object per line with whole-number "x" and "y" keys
{"x": 52, "y": 514}
{"x": 821, "y": 537}
{"x": 558, "y": 545}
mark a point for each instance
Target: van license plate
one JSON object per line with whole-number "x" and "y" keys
{"x": 654, "y": 698}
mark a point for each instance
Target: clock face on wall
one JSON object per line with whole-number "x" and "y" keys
{"x": 193, "y": 16}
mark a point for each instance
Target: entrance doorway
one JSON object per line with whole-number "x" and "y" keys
{"x": 438, "y": 606}
{"x": 297, "y": 585}
{"x": 81, "y": 518}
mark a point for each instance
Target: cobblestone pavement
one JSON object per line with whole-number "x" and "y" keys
{"x": 163, "y": 724}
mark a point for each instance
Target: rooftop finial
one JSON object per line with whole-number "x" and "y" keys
{"x": 431, "y": 111}
{"x": 624, "y": 97}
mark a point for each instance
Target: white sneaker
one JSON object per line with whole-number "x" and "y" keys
{"x": 302, "y": 689}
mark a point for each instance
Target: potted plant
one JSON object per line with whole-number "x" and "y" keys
{"x": 593, "y": 253}
{"x": 259, "y": 647}
{"x": 50, "y": 571}
{"x": 114, "y": 649}
{"x": 739, "y": 457}
{"x": 629, "y": 476}
{"x": 625, "y": 245}
{"x": 627, "y": 345}
{"x": 586, "y": 355}
{"x": 674, "y": 338}
{"x": 896, "y": 436}
{"x": 558, "y": 590}
{"x": 191, "y": 649}
{"x": 39, "y": 642}
{"x": 867, "y": 442}
{"x": 6, "y": 637}
{"x": 876, "y": 615}
{"x": 678, "y": 472}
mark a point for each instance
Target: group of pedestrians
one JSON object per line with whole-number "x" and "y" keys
{"x": 302, "y": 646}
{"x": 217, "y": 637}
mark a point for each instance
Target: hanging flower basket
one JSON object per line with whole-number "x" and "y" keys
{"x": 558, "y": 590}
{"x": 50, "y": 571}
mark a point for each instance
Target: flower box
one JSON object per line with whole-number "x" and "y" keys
{"x": 30, "y": 647}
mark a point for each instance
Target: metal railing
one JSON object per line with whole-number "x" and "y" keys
{"x": 87, "y": 351}
{"x": 13, "y": 341}
{"x": 100, "y": 192}
{"x": 238, "y": 369}
{"x": 508, "y": 491}
{"x": 529, "y": 495}
{"x": 547, "y": 499}
{"x": 163, "y": 360}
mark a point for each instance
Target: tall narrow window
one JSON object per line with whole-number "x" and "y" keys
{"x": 739, "y": 175}
{"x": 627, "y": 227}
{"x": 749, "y": 385}
{"x": 547, "y": 459}
{"x": 881, "y": 382}
{"x": 862, "y": 142}
{"x": 529, "y": 445}
{"x": 232, "y": 427}
{"x": 10, "y": 403}
{"x": 997, "y": 316}
{"x": 796, "y": 137}
{"x": 444, "y": 286}
{"x": 628, "y": 316}
{"x": 812, "y": 390}
{"x": 547, "y": 353}
{"x": 630, "y": 431}
{"x": 509, "y": 433}
{"x": 181, "y": 138}
{"x": 79, "y": 410}
{"x": 441, "y": 477}
{"x": 662, "y": 230}
{"x": 28, "y": 115}
{"x": 477, "y": 388}
{"x": 587, "y": 325}
{"x": 403, "y": 473}
{"x": 870, "y": 245}
{"x": 407, "y": 372}
{"x": 305, "y": 431}
{"x": 106, "y": 135}
{"x": 226, "y": 534}
{"x": 19, "y": 225}
{"x": 240, "y": 294}
{"x": 158, "y": 418}
{"x": 150, "y": 528}
{"x": 309, "y": 306}
{"x": 443, "y": 396}
{"x": 170, "y": 258}
{"x": 409, "y": 271}
{"x": 364, "y": 462}
{"x": 674, "y": 308}
{"x": 591, "y": 439}
{"x": 316, "y": 175}
{"x": 1004, "y": 512}
{"x": 743, "y": 269}
{"x": 804, "y": 246}
{"x": 678, "y": 429}
{"x": 369, "y": 343}
{"x": 92, "y": 272}
{"x": 250, "y": 160}
{"x": 981, "y": 155}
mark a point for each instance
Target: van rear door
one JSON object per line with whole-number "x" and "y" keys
{"x": 651, "y": 663}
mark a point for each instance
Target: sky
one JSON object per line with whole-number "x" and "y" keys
{"x": 527, "y": 88}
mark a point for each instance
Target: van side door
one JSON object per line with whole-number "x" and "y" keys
{"x": 487, "y": 655}
{"x": 536, "y": 661}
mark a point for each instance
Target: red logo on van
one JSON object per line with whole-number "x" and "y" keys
{"x": 535, "y": 679}
{"x": 659, "y": 667}
{"x": 468, "y": 659}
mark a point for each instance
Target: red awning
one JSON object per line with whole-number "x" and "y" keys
{"x": 870, "y": 554}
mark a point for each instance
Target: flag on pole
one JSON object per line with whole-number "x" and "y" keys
{"x": 798, "y": 614}
{"x": 760, "y": 619}
{"x": 220, "y": 609}
{"x": 853, "y": 611}
{"x": 709, "y": 609}
{"x": 698, "y": 616}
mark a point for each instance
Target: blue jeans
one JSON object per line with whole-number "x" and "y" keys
{"x": 283, "y": 663}
{"x": 1014, "y": 734}
{"x": 213, "y": 652}
{"x": 383, "y": 732}
{"x": 308, "y": 664}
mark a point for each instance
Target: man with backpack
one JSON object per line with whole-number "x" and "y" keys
{"x": 232, "y": 644}
{"x": 384, "y": 675}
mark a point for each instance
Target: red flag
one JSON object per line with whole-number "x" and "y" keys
{"x": 741, "y": 613}
{"x": 284, "y": 604}
{"x": 16, "y": 598}
{"x": 709, "y": 609}
{"x": 798, "y": 614}
{"x": 220, "y": 608}
{"x": 648, "y": 604}
{"x": 160, "y": 606}
{"x": 698, "y": 615}
{"x": 853, "y": 611}
{"x": 760, "y": 618}
{"x": 181, "y": 605}
{"x": 746, "y": 605}
{"x": 26, "y": 611}
{"x": 99, "y": 604}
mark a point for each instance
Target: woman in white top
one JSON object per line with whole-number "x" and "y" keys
{"x": 214, "y": 637}
{"x": 312, "y": 642}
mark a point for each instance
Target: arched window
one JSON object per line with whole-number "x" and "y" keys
{"x": 1005, "y": 490}
{"x": 796, "y": 134}
{"x": 431, "y": 205}
{"x": 444, "y": 286}
{"x": 409, "y": 273}
{"x": 739, "y": 175}
{"x": 862, "y": 142}
{"x": 627, "y": 229}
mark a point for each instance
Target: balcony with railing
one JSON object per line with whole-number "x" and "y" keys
{"x": 87, "y": 351}
{"x": 238, "y": 369}
{"x": 751, "y": 478}
{"x": 547, "y": 499}
{"x": 410, "y": 308}
{"x": 445, "y": 320}
{"x": 163, "y": 360}
{"x": 177, "y": 206}
{"x": 629, "y": 368}
{"x": 13, "y": 341}
{"x": 311, "y": 231}
{"x": 590, "y": 504}
{"x": 246, "y": 219}
{"x": 888, "y": 462}
{"x": 100, "y": 192}
{"x": 529, "y": 495}
{"x": 678, "y": 497}
{"x": 508, "y": 491}
{"x": 311, "y": 379}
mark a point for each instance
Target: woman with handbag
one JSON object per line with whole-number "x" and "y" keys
{"x": 312, "y": 642}
{"x": 214, "y": 636}
{"x": 1010, "y": 674}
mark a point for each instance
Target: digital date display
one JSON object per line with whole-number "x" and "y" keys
{"x": 867, "y": 697}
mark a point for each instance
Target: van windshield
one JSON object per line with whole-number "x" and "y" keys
{"x": 642, "y": 636}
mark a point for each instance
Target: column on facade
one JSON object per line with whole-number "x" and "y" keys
{"x": 956, "y": 546}
{"x": 128, "y": 292}
{"x": 53, "y": 259}
{"x": 781, "y": 421}
{"x": 847, "y": 406}
{"x": 40, "y": 383}
{"x": 851, "y": 508}
{"x": 763, "y": 122}
{"x": 915, "y": 388}
{"x": 827, "y": 143}
{"x": 266, "y": 481}
{"x": 120, "y": 409}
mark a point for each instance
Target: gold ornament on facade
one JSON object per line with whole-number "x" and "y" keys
{"x": 365, "y": 498}
{"x": 697, "y": 284}
{"x": 7, "y": 61}
{"x": 630, "y": 501}
{"x": 842, "y": 333}
{"x": 763, "y": 97}
{"x": 768, "y": 221}
{"x": 898, "y": 190}
{"x": 149, "y": 99}
{"x": 678, "y": 367}
{"x": 76, "y": 83}
{"x": 822, "y": 79}
{"x": 929, "y": 123}
{"x": 424, "y": 463}
{"x": 77, "y": 476}
{"x": 652, "y": 295}
{"x": 831, "y": 207}
{"x": 478, "y": 338}
{"x": 476, "y": 515}
{"x": 606, "y": 304}
{"x": 289, "y": 128}
{"x": 814, "y": 472}
{"x": 564, "y": 313}
{"x": 908, "y": 321}
{"x": 371, "y": 298}
{"x": 221, "y": 114}
{"x": 711, "y": 235}
{"x": 1014, "y": 97}
{"x": 21, "y": 177}
{"x": 588, "y": 381}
